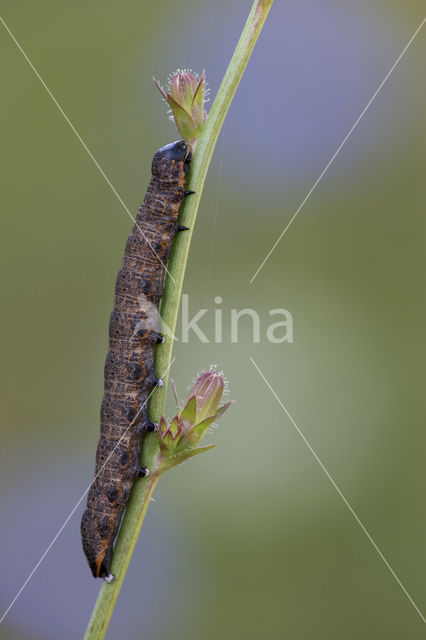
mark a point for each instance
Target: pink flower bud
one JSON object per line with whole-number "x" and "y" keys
{"x": 178, "y": 439}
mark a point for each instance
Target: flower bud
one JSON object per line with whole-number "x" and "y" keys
{"x": 185, "y": 95}
{"x": 178, "y": 441}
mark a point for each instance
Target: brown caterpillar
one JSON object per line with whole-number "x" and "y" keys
{"x": 129, "y": 367}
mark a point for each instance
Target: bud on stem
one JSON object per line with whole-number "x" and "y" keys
{"x": 185, "y": 95}
{"x": 179, "y": 440}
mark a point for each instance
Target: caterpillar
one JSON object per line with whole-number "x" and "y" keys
{"x": 129, "y": 368}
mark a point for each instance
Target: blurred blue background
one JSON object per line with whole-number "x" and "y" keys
{"x": 251, "y": 540}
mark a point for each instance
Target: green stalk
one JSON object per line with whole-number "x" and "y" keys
{"x": 143, "y": 489}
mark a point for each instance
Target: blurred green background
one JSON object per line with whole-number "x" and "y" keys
{"x": 251, "y": 540}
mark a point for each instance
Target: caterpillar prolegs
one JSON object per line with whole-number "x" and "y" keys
{"x": 129, "y": 367}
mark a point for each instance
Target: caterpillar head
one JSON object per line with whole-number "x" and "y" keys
{"x": 172, "y": 153}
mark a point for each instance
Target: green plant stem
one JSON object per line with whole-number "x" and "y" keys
{"x": 143, "y": 489}
{"x": 199, "y": 166}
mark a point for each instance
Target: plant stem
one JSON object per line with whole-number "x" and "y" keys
{"x": 199, "y": 165}
{"x": 143, "y": 489}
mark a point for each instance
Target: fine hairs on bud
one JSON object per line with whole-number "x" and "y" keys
{"x": 179, "y": 437}
{"x": 185, "y": 94}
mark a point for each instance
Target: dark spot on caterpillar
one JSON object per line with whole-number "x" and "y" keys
{"x": 103, "y": 527}
{"x": 146, "y": 286}
{"x": 112, "y": 494}
{"x": 129, "y": 367}
{"x": 124, "y": 457}
{"x": 137, "y": 371}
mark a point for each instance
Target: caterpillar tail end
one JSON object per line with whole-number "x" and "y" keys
{"x": 98, "y": 551}
{"x": 101, "y": 567}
